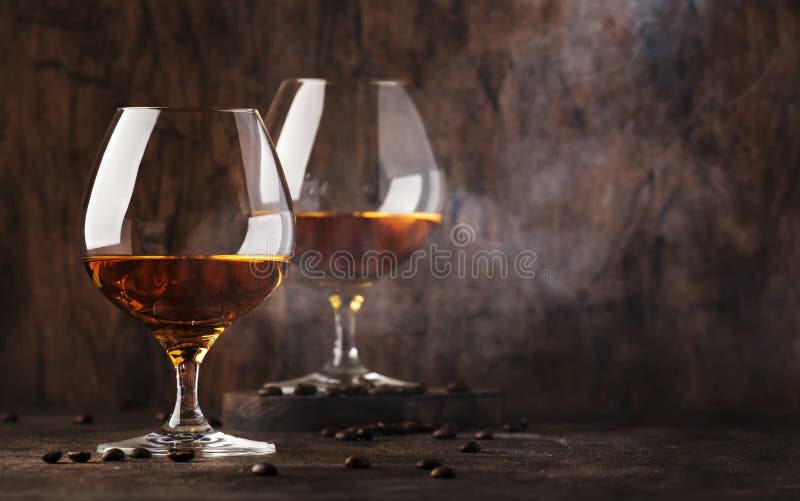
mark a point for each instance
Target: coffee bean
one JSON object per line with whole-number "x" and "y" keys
{"x": 353, "y": 428}
{"x": 444, "y": 432}
{"x": 333, "y": 391}
{"x": 456, "y": 387}
{"x": 484, "y": 435}
{"x": 113, "y": 455}
{"x": 85, "y": 418}
{"x": 411, "y": 427}
{"x": 470, "y": 446}
{"x": 271, "y": 391}
{"x": 442, "y": 472}
{"x": 365, "y": 433}
{"x": 264, "y": 470}
{"x": 180, "y": 455}
{"x": 161, "y": 416}
{"x": 355, "y": 390}
{"x": 398, "y": 429}
{"x": 511, "y": 427}
{"x": 428, "y": 463}
{"x": 384, "y": 428}
{"x": 79, "y": 457}
{"x": 140, "y": 453}
{"x": 426, "y": 428}
{"x": 305, "y": 390}
{"x": 9, "y": 417}
{"x": 345, "y": 435}
{"x": 215, "y": 422}
{"x": 451, "y": 426}
{"x": 523, "y": 424}
{"x": 329, "y": 431}
{"x": 356, "y": 461}
{"x": 51, "y": 457}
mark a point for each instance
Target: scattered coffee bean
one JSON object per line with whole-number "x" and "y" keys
{"x": 329, "y": 431}
{"x": 51, "y": 457}
{"x": 161, "y": 416}
{"x": 79, "y": 457}
{"x": 9, "y": 417}
{"x": 215, "y": 422}
{"x": 264, "y": 470}
{"x": 140, "y": 453}
{"x": 180, "y": 455}
{"x": 271, "y": 391}
{"x": 428, "y": 463}
{"x": 523, "y": 424}
{"x": 113, "y": 455}
{"x": 356, "y": 461}
{"x": 365, "y": 433}
{"x": 353, "y": 428}
{"x": 511, "y": 427}
{"x": 411, "y": 427}
{"x": 333, "y": 391}
{"x": 345, "y": 435}
{"x": 470, "y": 446}
{"x": 383, "y": 428}
{"x": 305, "y": 390}
{"x": 85, "y": 418}
{"x": 451, "y": 426}
{"x": 355, "y": 390}
{"x": 456, "y": 387}
{"x": 484, "y": 435}
{"x": 444, "y": 432}
{"x": 442, "y": 472}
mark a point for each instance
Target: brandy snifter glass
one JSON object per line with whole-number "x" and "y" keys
{"x": 367, "y": 192}
{"x": 187, "y": 226}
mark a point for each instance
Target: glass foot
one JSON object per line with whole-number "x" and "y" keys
{"x": 215, "y": 444}
{"x": 325, "y": 379}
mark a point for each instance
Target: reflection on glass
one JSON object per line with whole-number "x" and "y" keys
{"x": 367, "y": 193}
{"x": 187, "y": 227}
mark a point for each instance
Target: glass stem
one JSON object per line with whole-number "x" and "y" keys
{"x": 187, "y": 416}
{"x": 345, "y": 354}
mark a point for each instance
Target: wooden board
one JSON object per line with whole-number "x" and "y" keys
{"x": 251, "y": 411}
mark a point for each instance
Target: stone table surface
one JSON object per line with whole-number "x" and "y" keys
{"x": 549, "y": 461}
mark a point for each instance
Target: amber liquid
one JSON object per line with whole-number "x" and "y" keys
{"x": 356, "y": 234}
{"x": 186, "y": 301}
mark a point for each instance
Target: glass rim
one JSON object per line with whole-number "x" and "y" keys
{"x": 328, "y": 81}
{"x": 190, "y": 109}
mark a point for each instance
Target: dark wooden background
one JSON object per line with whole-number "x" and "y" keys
{"x": 648, "y": 152}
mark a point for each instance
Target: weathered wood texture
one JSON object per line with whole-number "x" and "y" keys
{"x": 646, "y": 151}
{"x": 553, "y": 461}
